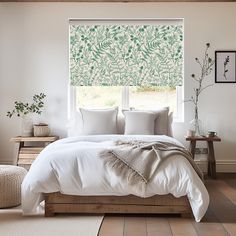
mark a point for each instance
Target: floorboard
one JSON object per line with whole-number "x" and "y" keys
{"x": 135, "y": 226}
{"x": 210, "y": 229}
{"x": 230, "y": 228}
{"x": 112, "y": 226}
{"x": 157, "y": 226}
{"x": 210, "y": 216}
{"x": 219, "y": 220}
{"x": 182, "y": 227}
{"x": 221, "y": 206}
{"x": 227, "y": 190}
{"x": 231, "y": 183}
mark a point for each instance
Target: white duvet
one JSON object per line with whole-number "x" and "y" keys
{"x": 72, "y": 166}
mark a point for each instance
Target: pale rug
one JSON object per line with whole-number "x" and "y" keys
{"x": 12, "y": 223}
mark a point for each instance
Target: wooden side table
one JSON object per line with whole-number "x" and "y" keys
{"x": 211, "y": 154}
{"x": 27, "y": 154}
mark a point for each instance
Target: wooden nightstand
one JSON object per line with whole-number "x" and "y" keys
{"x": 27, "y": 153}
{"x": 211, "y": 154}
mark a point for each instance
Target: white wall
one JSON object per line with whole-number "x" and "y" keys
{"x": 34, "y": 58}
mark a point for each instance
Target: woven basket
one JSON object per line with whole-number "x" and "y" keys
{"x": 11, "y": 178}
{"x": 41, "y": 130}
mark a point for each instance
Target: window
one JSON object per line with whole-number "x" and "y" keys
{"x": 129, "y": 97}
{"x": 151, "y": 97}
{"x": 98, "y": 96}
{"x": 135, "y": 64}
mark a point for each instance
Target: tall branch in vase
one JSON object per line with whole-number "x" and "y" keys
{"x": 206, "y": 65}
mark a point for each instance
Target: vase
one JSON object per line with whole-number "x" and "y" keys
{"x": 26, "y": 126}
{"x": 196, "y": 125}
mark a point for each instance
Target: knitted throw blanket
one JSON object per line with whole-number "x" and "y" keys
{"x": 136, "y": 162}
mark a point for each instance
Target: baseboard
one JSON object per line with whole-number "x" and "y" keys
{"x": 4, "y": 162}
{"x": 222, "y": 166}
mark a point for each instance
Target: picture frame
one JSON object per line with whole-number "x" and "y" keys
{"x": 225, "y": 66}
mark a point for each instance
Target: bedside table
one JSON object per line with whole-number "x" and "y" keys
{"x": 211, "y": 154}
{"x": 27, "y": 154}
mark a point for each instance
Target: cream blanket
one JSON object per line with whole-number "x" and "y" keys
{"x": 136, "y": 162}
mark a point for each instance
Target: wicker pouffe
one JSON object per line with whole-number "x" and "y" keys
{"x": 11, "y": 178}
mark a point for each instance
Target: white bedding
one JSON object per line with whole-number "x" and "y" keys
{"x": 72, "y": 166}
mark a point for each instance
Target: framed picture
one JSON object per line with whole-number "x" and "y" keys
{"x": 225, "y": 66}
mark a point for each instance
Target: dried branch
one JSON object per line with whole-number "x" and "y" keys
{"x": 197, "y": 60}
{"x": 191, "y": 100}
{"x": 209, "y": 85}
{"x": 206, "y": 69}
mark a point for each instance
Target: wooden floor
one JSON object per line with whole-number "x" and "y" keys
{"x": 220, "y": 218}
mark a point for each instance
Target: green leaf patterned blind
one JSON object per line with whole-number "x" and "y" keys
{"x": 126, "y": 55}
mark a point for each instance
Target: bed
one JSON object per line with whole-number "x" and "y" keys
{"x": 72, "y": 176}
{"x": 69, "y": 177}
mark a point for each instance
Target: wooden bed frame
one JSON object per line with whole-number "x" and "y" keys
{"x": 158, "y": 204}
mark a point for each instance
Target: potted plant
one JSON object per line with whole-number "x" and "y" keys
{"x": 24, "y": 110}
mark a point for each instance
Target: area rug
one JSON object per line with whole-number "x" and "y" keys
{"x": 12, "y": 223}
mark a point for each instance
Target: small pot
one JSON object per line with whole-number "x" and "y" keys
{"x": 41, "y": 130}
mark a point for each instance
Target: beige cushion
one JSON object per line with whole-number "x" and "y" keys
{"x": 170, "y": 121}
{"x": 99, "y": 121}
{"x": 11, "y": 178}
{"x": 162, "y": 121}
{"x": 120, "y": 124}
{"x": 139, "y": 122}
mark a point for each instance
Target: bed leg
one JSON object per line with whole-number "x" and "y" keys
{"x": 49, "y": 211}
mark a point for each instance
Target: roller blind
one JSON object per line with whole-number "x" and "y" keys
{"x": 126, "y": 53}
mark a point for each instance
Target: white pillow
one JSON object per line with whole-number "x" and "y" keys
{"x": 139, "y": 122}
{"x": 163, "y": 120}
{"x": 99, "y": 121}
